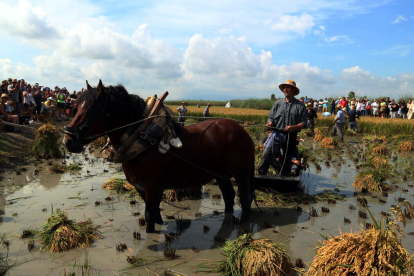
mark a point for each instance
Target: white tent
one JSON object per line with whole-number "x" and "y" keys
{"x": 228, "y": 105}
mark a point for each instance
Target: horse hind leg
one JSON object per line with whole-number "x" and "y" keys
{"x": 243, "y": 182}
{"x": 228, "y": 192}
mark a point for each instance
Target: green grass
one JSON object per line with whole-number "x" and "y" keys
{"x": 265, "y": 104}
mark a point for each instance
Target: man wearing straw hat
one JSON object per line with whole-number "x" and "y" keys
{"x": 287, "y": 117}
{"x": 182, "y": 111}
{"x": 339, "y": 123}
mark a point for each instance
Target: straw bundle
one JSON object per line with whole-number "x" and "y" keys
{"x": 383, "y": 139}
{"x": 318, "y": 137}
{"x": 317, "y": 131}
{"x": 366, "y": 182}
{"x": 369, "y": 252}
{"x": 118, "y": 184}
{"x": 379, "y": 162}
{"x": 61, "y": 234}
{"x": 380, "y": 149}
{"x": 329, "y": 143}
{"x": 179, "y": 195}
{"x": 406, "y": 146}
{"x": 246, "y": 256}
{"x": 46, "y": 142}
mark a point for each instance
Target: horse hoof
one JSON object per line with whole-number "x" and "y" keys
{"x": 150, "y": 230}
{"x": 160, "y": 221}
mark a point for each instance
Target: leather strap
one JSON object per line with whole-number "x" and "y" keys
{"x": 139, "y": 132}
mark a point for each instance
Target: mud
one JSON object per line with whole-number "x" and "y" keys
{"x": 29, "y": 199}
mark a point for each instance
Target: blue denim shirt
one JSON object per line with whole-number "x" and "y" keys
{"x": 285, "y": 114}
{"x": 341, "y": 116}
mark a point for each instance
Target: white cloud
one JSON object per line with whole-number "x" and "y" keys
{"x": 399, "y": 19}
{"x": 323, "y": 28}
{"x": 363, "y": 82}
{"x": 301, "y": 25}
{"x": 225, "y": 56}
{"x": 26, "y": 21}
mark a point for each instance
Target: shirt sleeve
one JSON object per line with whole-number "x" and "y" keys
{"x": 303, "y": 116}
{"x": 272, "y": 114}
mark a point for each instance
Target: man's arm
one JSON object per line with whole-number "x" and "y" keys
{"x": 302, "y": 121}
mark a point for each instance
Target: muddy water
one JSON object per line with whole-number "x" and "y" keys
{"x": 29, "y": 199}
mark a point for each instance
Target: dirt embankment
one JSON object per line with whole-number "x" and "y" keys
{"x": 15, "y": 148}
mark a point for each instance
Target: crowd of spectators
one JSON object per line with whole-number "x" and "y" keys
{"x": 23, "y": 103}
{"x": 382, "y": 107}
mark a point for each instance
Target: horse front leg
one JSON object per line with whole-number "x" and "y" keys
{"x": 228, "y": 192}
{"x": 152, "y": 209}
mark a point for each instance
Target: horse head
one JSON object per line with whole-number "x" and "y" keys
{"x": 91, "y": 119}
{"x": 102, "y": 110}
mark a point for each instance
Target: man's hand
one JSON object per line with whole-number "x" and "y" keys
{"x": 290, "y": 128}
{"x": 269, "y": 124}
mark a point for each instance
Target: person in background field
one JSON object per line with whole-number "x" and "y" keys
{"x": 362, "y": 107}
{"x": 61, "y": 98}
{"x": 325, "y": 105}
{"x": 403, "y": 108}
{"x": 3, "y": 88}
{"x": 383, "y": 108}
{"x": 8, "y": 117}
{"x": 320, "y": 106}
{"x": 375, "y": 108}
{"x": 339, "y": 123}
{"x": 352, "y": 115}
{"x": 312, "y": 118}
{"x": 394, "y": 109}
{"x": 287, "y": 117}
{"x": 206, "y": 112}
{"x": 182, "y": 112}
{"x": 333, "y": 111}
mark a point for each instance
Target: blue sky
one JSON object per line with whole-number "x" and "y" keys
{"x": 212, "y": 49}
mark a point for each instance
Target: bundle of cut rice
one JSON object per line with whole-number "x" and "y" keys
{"x": 118, "y": 184}
{"x": 329, "y": 143}
{"x": 61, "y": 234}
{"x": 406, "y": 146}
{"x": 46, "y": 142}
{"x": 247, "y": 256}
{"x": 318, "y": 137}
{"x": 369, "y": 252}
{"x": 381, "y": 149}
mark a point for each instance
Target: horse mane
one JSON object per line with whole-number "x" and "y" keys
{"x": 120, "y": 101}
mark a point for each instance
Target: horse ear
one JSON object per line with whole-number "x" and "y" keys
{"x": 88, "y": 87}
{"x": 100, "y": 88}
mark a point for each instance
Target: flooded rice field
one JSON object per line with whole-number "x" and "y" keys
{"x": 31, "y": 195}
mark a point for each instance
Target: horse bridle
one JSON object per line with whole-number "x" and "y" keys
{"x": 92, "y": 114}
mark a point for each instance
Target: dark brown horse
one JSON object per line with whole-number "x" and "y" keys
{"x": 213, "y": 149}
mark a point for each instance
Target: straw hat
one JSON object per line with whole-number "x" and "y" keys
{"x": 14, "y": 80}
{"x": 291, "y": 83}
{"x": 182, "y": 103}
{"x": 5, "y": 96}
{"x": 4, "y": 82}
{"x": 339, "y": 106}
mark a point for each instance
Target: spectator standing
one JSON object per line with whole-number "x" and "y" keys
{"x": 404, "y": 109}
{"x": 362, "y": 107}
{"x": 383, "y": 108}
{"x": 3, "y": 88}
{"x": 61, "y": 101}
{"x": 394, "y": 109}
{"x": 333, "y": 104}
{"x": 182, "y": 112}
{"x": 352, "y": 115}
{"x": 312, "y": 118}
{"x": 38, "y": 100}
{"x": 320, "y": 106}
{"x": 339, "y": 123}
{"x": 206, "y": 112}
{"x": 375, "y": 108}
{"x": 325, "y": 105}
